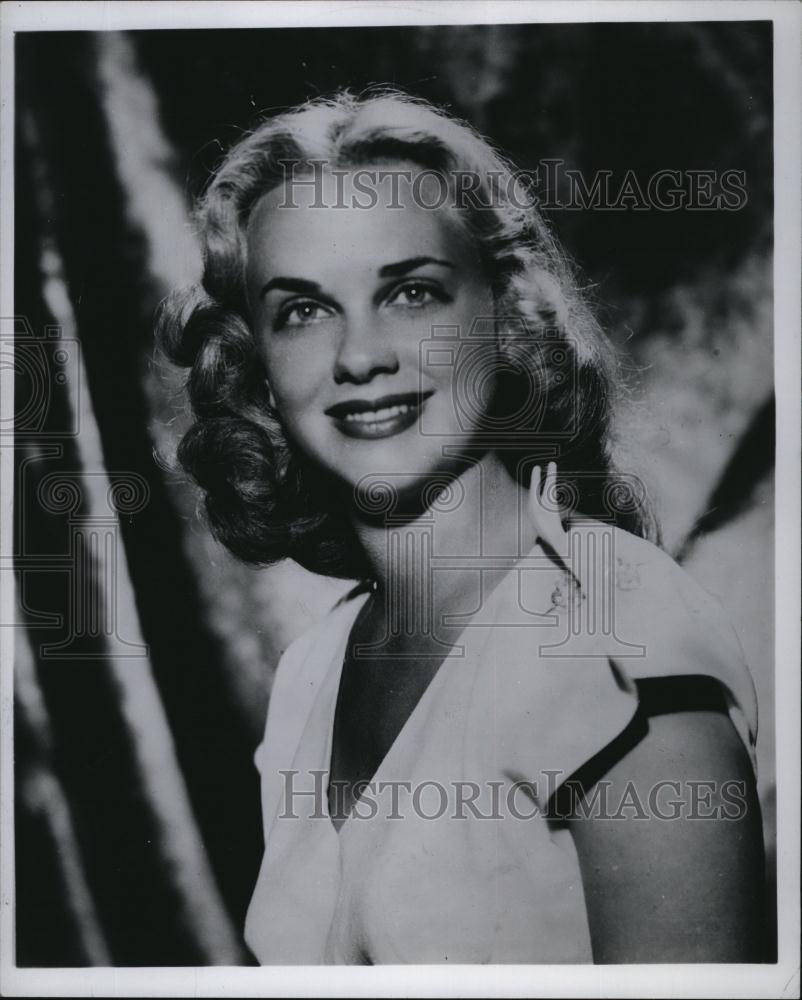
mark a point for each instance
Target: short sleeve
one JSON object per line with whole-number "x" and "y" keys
{"x": 573, "y": 690}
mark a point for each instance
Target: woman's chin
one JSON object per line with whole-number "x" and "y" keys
{"x": 395, "y": 488}
{"x": 403, "y": 476}
{"x": 395, "y": 497}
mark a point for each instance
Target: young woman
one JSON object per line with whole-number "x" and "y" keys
{"x": 525, "y": 735}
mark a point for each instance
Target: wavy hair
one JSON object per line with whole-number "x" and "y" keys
{"x": 263, "y": 500}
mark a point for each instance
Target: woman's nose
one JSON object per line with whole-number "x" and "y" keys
{"x": 363, "y": 353}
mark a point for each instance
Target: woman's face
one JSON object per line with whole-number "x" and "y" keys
{"x": 343, "y": 303}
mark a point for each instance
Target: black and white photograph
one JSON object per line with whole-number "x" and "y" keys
{"x": 400, "y": 511}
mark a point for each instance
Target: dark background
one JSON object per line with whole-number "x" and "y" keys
{"x": 138, "y": 841}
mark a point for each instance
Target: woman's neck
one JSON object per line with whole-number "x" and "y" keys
{"x": 444, "y": 546}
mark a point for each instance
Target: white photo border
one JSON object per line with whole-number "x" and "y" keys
{"x": 771, "y": 980}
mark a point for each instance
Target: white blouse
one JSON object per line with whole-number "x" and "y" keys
{"x": 451, "y": 855}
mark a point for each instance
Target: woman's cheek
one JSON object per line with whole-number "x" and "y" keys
{"x": 295, "y": 373}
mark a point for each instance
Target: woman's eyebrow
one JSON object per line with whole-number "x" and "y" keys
{"x": 303, "y": 286}
{"x": 300, "y": 285}
{"x": 405, "y": 266}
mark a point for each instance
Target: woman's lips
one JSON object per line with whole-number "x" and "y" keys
{"x": 385, "y": 417}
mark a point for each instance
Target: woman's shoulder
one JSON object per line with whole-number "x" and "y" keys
{"x": 641, "y": 618}
{"x": 686, "y": 754}
{"x": 650, "y": 591}
{"x": 682, "y": 628}
{"x": 638, "y": 564}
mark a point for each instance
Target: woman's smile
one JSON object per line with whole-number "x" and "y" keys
{"x": 379, "y": 418}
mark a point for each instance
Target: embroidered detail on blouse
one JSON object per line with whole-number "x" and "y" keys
{"x": 627, "y": 576}
{"x": 567, "y": 592}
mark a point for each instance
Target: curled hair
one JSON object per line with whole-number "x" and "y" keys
{"x": 263, "y": 499}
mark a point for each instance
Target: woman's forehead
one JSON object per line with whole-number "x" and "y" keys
{"x": 394, "y": 183}
{"x": 357, "y": 216}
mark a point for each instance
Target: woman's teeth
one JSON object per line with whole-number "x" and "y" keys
{"x": 378, "y": 416}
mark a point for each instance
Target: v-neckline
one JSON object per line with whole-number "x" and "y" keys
{"x": 402, "y": 733}
{"x": 438, "y": 679}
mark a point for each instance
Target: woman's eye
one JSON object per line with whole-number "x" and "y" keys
{"x": 300, "y": 314}
{"x": 414, "y": 294}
